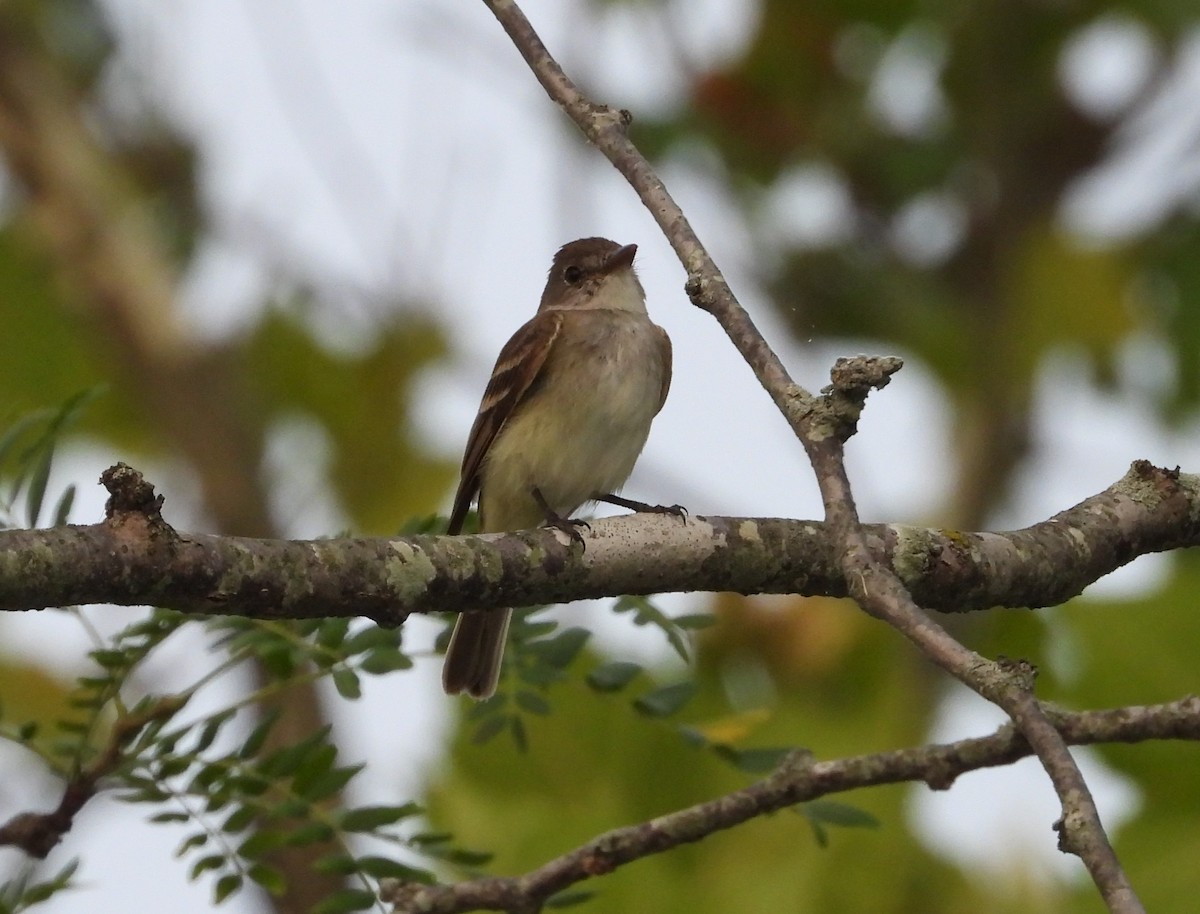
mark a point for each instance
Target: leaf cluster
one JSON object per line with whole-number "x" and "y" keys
{"x": 27, "y": 449}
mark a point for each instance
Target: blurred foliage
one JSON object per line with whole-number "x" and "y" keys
{"x": 215, "y": 774}
{"x": 102, "y": 221}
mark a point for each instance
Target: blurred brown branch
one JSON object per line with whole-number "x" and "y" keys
{"x": 38, "y": 833}
{"x": 799, "y": 779}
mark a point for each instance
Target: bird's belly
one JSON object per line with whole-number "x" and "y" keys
{"x": 573, "y": 441}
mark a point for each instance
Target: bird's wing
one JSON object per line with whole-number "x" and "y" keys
{"x": 517, "y": 367}
{"x": 664, "y": 342}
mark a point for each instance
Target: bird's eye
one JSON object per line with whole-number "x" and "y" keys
{"x": 572, "y": 274}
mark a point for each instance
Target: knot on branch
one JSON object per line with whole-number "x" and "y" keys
{"x": 1072, "y": 834}
{"x": 605, "y": 117}
{"x": 1145, "y": 480}
{"x": 697, "y": 291}
{"x": 129, "y": 492}
{"x": 841, "y": 403}
{"x": 857, "y": 376}
{"x": 1002, "y": 679}
{"x": 133, "y": 512}
{"x": 1020, "y": 673}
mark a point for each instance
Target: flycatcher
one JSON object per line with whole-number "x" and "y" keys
{"x": 563, "y": 420}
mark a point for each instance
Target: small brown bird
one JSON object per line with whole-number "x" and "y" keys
{"x": 563, "y": 419}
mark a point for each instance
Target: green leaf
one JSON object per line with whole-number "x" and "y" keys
{"x": 332, "y": 633}
{"x": 261, "y": 842}
{"x": 665, "y": 701}
{"x": 290, "y": 808}
{"x": 13, "y": 434}
{"x": 315, "y": 764}
{"x": 372, "y": 637}
{"x": 560, "y": 650}
{"x": 489, "y": 728}
{"x": 63, "y": 509}
{"x": 345, "y": 900}
{"x": 249, "y": 785}
{"x": 612, "y": 677}
{"x": 211, "y": 729}
{"x": 37, "y": 484}
{"x": 532, "y": 702}
{"x": 226, "y": 886}
{"x": 326, "y": 785}
{"x": 517, "y": 727}
{"x": 840, "y": 814}
{"x": 753, "y": 761}
{"x": 309, "y": 833}
{"x": 239, "y": 820}
{"x": 464, "y": 857}
{"x": 385, "y": 660}
{"x": 170, "y": 817}
{"x": 218, "y": 798}
{"x": 429, "y": 839}
{"x": 370, "y": 818}
{"x": 110, "y": 659}
{"x": 204, "y": 864}
{"x": 336, "y": 864}
{"x": 269, "y": 878}
{"x": 171, "y": 765}
{"x": 677, "y": 643}
{"x": 191, "y": 842}
{"x": 646, "y": 613}
{"x": 284, "y": 762}
{"x": 205, "y": 778}
{"x": 386, "y": 868}
{"x": 277, "y": 659}
{"x": 345, "y": 680}
{"x": 692, "y": 621}
{"x": 258, "y": 736}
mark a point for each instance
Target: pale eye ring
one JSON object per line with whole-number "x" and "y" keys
{"x": 572, "y": 274}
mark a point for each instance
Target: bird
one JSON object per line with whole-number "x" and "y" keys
{"x": 562, "y": 422}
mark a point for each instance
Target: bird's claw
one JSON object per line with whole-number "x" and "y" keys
{"x": 569, "y": 526}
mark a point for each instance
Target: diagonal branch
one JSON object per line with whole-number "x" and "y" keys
{"x": 823, "y": 425}
{"x": 798, "y": 780}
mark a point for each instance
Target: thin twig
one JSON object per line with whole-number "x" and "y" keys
{"x": 38, "y": 833}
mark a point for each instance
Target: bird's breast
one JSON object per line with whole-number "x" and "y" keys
{"x": 581, "y": 429}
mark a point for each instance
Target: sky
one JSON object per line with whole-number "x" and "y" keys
{"x": 387, "y": 146}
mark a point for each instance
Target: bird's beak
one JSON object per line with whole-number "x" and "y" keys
{"x": 620, "y": 259}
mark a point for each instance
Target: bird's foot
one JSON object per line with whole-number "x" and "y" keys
{"x": 640, "y": 506}
{"x": 556, "y": 521}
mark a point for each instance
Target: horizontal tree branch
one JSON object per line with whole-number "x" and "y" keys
{"x": 798, "y": 780}
{"x": 133, "y": 557}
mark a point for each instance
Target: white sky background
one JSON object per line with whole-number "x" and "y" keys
{"x": 394, "y": 150}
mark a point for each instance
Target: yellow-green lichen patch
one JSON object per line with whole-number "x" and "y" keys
{"x": 408, "y": 570}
